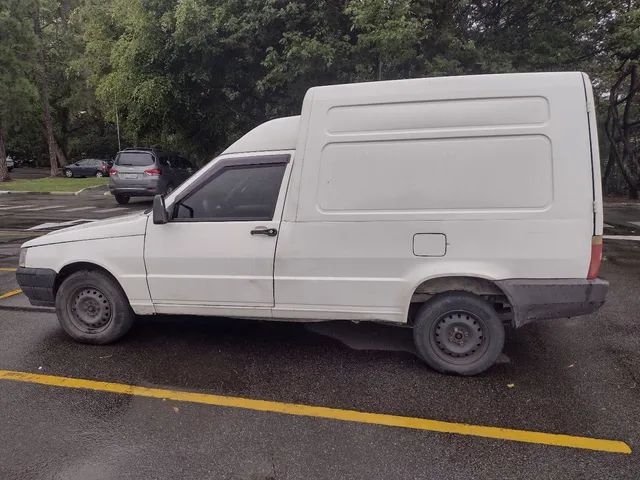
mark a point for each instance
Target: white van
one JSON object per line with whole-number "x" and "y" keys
{"x": 452, "y": 205}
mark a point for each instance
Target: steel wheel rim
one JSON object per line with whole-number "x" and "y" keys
{"x": 459, "y": 337}
{"x": 90, "y": 310}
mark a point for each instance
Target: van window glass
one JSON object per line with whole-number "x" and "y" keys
{"x": 236, "y": 193}
{"x": 134, "y": 159}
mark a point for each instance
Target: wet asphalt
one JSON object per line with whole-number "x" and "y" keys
{"x": 577, "y": 377}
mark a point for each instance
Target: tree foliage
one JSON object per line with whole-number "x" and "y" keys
{"x": 194, "y": 75}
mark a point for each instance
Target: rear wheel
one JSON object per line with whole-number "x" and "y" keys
{"x": 99, "y": 174}
{"x": 67, "y": 173}
{"x": 122, "y": 199}
{"x": 458, "y": 332}
{"x": 92, "y": 308}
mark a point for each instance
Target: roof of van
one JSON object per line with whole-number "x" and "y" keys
{"x": 277, "y": 134}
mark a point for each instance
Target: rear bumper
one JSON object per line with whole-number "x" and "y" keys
{"x": 135, "y": 188}
{"x": 37, "y": 284}
{"x": 542, "y": 299}
{"x": 135, "y": 192}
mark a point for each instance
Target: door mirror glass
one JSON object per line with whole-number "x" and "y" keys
{"x": 159, "y": 211}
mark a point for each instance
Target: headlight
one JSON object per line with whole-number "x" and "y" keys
{"x": 23, "y": 257}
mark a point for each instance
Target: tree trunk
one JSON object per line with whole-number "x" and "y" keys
{"x": 619, "y": 130}
{"x": 627, "y": 148}
{"x": 4, "y": 171}
{"x": 60, "y": 155}
{"x": 43, "y": 81}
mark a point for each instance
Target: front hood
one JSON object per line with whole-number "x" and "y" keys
{"x": 125, "y": 226}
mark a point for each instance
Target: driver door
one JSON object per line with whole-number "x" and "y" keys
{"x": 217, "y": 251}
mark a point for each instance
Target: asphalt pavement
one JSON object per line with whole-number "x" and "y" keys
{"x": 576, "y": 377}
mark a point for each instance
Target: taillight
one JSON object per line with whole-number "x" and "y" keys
{"x": 596, "y": 257}
{"x": 113, "y": 171}
{"x": 153, "y": 171}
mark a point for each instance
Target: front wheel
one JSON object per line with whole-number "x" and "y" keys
{"x": 458, "y": 332}
{"x": 92, "y": 308}
{"x": 68, "y": 173}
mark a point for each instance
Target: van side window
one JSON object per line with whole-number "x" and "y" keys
{"x": 241, "y": 193}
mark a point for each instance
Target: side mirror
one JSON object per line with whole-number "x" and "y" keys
{"x": 160, "y": 215}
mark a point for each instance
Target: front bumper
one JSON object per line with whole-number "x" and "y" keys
{"x": 38, "y": 285}
{"x": 542, "y": 299}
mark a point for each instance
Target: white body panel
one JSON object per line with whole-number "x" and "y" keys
{"x": 115, "y": 244}
{"x": 390, "y": 184}
{"x": 509, "y": 184}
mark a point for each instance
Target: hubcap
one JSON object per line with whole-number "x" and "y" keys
{"x": 459, "y": 336}
{"x": 91, "y": 310}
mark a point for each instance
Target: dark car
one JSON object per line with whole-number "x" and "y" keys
{"x": 89, "y": 167}
{"x": 146, "y": 172}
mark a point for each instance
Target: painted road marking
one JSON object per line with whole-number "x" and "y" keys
{"x": 635, "y": 238}
{"x": 68, "y": 223}
{"x": 43, "y": 208}
{"x": 77, "y": 209}
{"x": 16, "y": 206}
{"x": 7, "y": 269}
{"x": 614, "y": 446}
{"x": 10, "y": 294}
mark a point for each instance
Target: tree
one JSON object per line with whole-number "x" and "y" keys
{"x": 622, "y": 124}
{"x": 16, "y": 90}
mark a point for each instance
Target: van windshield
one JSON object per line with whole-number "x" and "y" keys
{"x": 135, "y": 159}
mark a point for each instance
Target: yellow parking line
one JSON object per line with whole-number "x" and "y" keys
{"x": 10, "y": 294}
{"x": 7, "y": 269}
{"x": 614, "y": 446}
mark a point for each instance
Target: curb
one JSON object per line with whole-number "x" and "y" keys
{"x": 12, "y": 192}
{"x": 89, "y": 188}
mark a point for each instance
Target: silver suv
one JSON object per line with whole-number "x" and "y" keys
{"x": 140, "y": 172}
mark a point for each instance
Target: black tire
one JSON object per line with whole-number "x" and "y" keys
{"x": 458, "y": 332}
{"x": 92, "y": 308}
{"x": 122, "y": 199}
{"x": 99, "y": 174}
{"x": 67, "y": 173}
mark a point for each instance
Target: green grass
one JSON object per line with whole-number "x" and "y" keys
{"x": 52, "y": 184}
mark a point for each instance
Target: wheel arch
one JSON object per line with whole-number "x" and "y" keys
{"x": 74, "y": 267}
{"x": 483, "y": 287}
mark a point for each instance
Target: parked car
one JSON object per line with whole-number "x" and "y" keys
{"x": 89, "y": 167}
{"x": 146, "y": 172}
{"x": 455, "y": 206}
{"x": 10, "y": 163}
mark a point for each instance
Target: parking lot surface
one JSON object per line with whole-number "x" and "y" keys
{"x": 576, "y": 377}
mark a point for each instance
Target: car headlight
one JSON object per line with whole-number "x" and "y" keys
{"x": 23, "y": 257}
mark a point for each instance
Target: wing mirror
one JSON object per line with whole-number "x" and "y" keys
{"x": 160, "y": 215}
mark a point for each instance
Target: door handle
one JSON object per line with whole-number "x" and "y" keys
{"x": 269, "y": 232}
